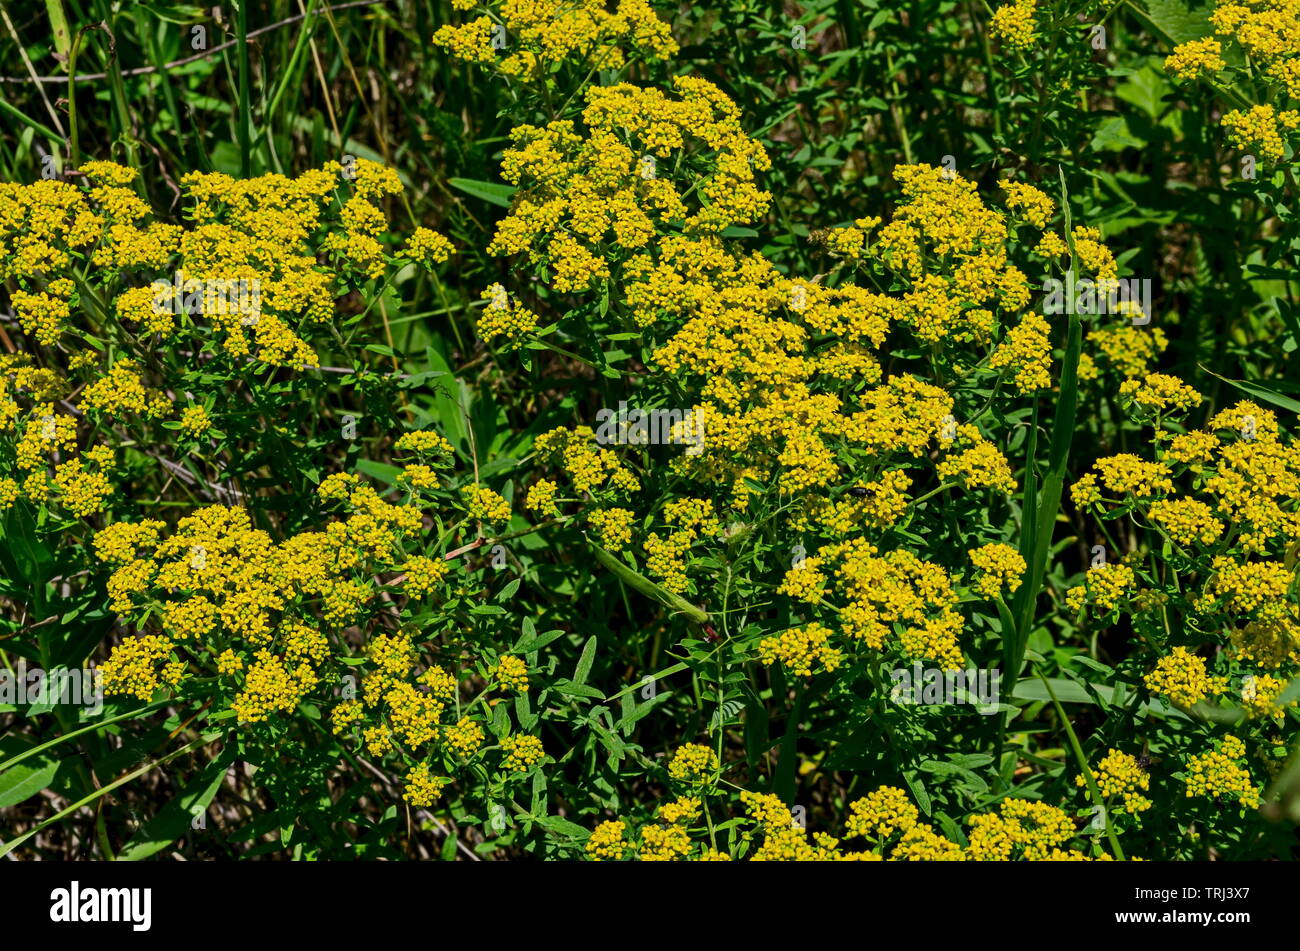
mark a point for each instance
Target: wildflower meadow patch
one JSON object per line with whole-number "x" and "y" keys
{"x": 632, "y": 431}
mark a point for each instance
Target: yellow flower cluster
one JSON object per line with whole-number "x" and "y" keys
{"x": 1187, "y": 521}
{"x": 999, "y": 568}
{"x": 1126, "y": 474}
{"x": 522, "y": 752}
{"x": 1181, "y": 677}
{"x": 1105, "y": 587}
{"x": 1196, "y": 58}
{"x": 801, "y": 649}
{"x": 1129, "y": 349}
{"x": 1267, "y": 32}
{"x": 613, "y": 527}
{"x": 1260, "y": 696}
{"x": 1219, "y": 773}
{"x": 1027, "y": 353}
{"x": 271, "y": 686}
{"x": 511, "y": 673}
{"x": 424, "y": 442}
{"x": 428, "y": 247}
{"x": 536, "y": 36}
{"x": 1030, "y": 203}
{"x": 422, "y": 787}
{"x": 607, "y": 842}
{"x": 1119, "y": 776}
{"x": 693, "y": 763}
{"x": 877, "y": 504}
{"x": 1261, "y": 129}
{"x": 973, "y": 460}
{"x": 1160, "y": 393}
{"x": 482, "y": 503}
{"x": 575, "y": 188}
{"x": 885, "y": 818}
{"x": 884, "y": 591}
{"x": 588, "y": 468}
{"x": 541, "y": 498}
{"x": 262, "y": 610}
{"x": 424, "y": 574}
{"x": 503, "y": 317}
{"x": 1013, "y": 23}
{"x": 195, "y": 420}
{"x": 134, "y": 665}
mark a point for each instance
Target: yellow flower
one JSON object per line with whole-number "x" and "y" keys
{"x": 1118, "y": 775}
{"x": 693, "y": 763}
{"x": 613, "y": 527}
{"x": 522, "y": 752}
{"x": 422, "y": 787}
{"x": 1187, "y": 521}
{"x": 1032, "y": 204}
{"x": 1181, "y": 677}
{"x": 606, "y": 842}
{"x": 1027, "y": 352}
{"x": 1196, "y": 58}
{"x": 1261, "y": 129}
{"x": 1160, "y": 393}
{"x": 1013, "y": 23}
{"x": 423, "y": 575}
{"x": 133, "y": 666}
{"x": 195, "y": 421}
{"x": 800, "y": 650}
{"x": 541, "y": 499}
{"x": 1000, "y": 567}
{"x": 428, "y": 247}
{"x": 424, "y": 442}
{"x": 1217, "y": 773}
{"x": 481, "y": 502}
{"x": 882, "y": 813}
{"x": 511, "y": 673}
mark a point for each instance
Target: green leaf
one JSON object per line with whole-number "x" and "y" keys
{"x": 1260, "y": 392}
{"x": 26, "y": 780}
{"x": 1176, "y": 21}
{"x": 538, "y": 641}
{"x": 585, "y": 661}
{"x": 493, "y": 192}
{"x": 563, "y": 827}
{"x": 1071, "y": 691}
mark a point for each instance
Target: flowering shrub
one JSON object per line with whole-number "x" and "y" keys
{"x": 666, "y": 477}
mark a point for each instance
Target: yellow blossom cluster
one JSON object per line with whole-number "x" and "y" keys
{"x": 1013, "y": 23}
{"x": 885, "y": 820}
{"x": 801, "y": 650}
{"x": 1105, "y": 588}
{"x": 882, "y": 593}
{"x": 1160, "y": 393}
{"x": 613, "y": 527}
{"x": 1181, "y": 677}
{"x": 533, "y": 37}
{"x": 999, "y": 567}
{"x": 693, "y": 763}
{"x": 1267, "y": 32}
{"x": 511, "y": 673}
{"x": 1219, "y": 774}
{"x": 1119, "y": 776}
{"x": 522, "y": 752}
